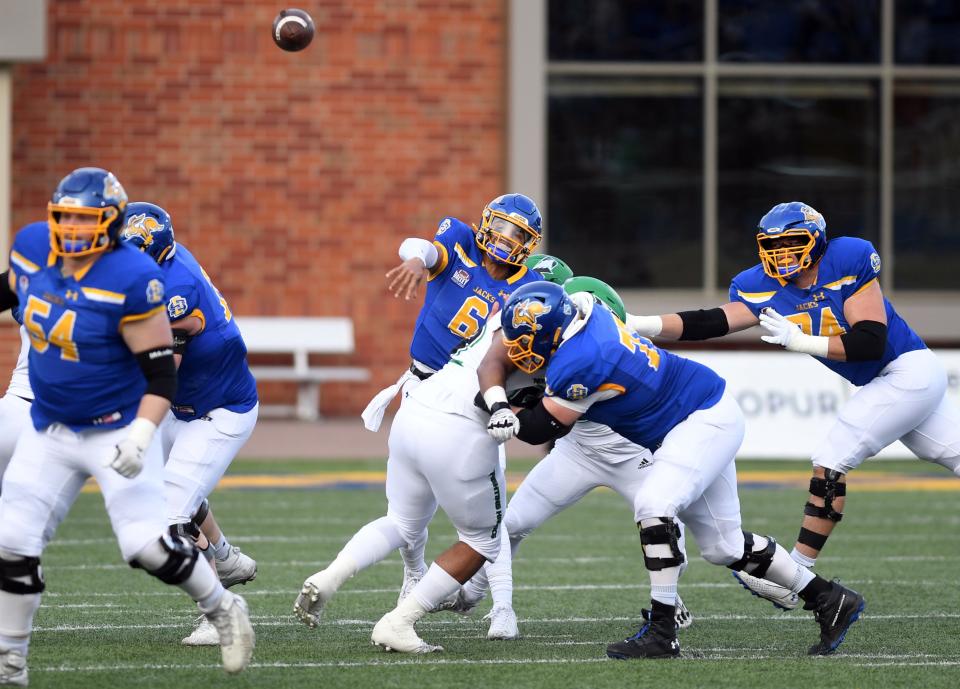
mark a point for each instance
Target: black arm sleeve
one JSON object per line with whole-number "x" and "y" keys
{"x": 866, "y": 341}
{"x": 704, "y": 324}
{"x": 180, "y": 340}
{"x": 8, "y": 298}
{"x": 159, "y": 370}
{"x": 537, "y": 426}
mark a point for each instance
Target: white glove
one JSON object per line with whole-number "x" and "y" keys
{"x": 128, "y": 458}
{"x": 647, "y": 326}
{"x": 784, "y": 332}
{"x": 503, "y": 424}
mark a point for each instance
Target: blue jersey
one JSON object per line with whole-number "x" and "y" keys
{"x": 213, "y": 373}
{"x": 460, "y": 295}
{"x": 657, "y": 389}
{"x": 849, "y": 265}
{"x": 82, "y": 373}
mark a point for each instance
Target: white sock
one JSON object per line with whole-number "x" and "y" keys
{"x": 500, "y": 573}
{"x": 803, "y": 560}
{"x": 663, "y": 585}
{"x": 16, "y": 620}
{"x": 221, "y": 548}
{"x": 412, "y": 554}
{"x": 204, "y": 587}
{"x": 411, "y": 609}
{"x": 476, "y": 587}
{"x": 436, "y": 585}
{"x": 373, "y": 542}
{"x": 784, "y": 570}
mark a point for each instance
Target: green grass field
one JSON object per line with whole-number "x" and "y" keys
{"x": 580, "y": 583}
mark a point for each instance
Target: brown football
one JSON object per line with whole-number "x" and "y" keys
{"x": 293, "y": 30}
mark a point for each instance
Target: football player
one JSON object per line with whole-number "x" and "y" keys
{"x": 215, "y": 408}
{"x": 440, "y": 455}
{"x": 597, "y": 368}
{"x": 468, "y": 272}
{"x": 102, "y": 372}
{"x": 823, "y": 298}
{"x": 588, "y": 457}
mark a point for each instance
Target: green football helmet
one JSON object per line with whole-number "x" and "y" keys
{"x": 600, "y": 290}
{"x": 550, "y": 267}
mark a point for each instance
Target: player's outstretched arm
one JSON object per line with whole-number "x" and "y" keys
{"x": 703, "y": 324}
{"x": 418, "y": 256}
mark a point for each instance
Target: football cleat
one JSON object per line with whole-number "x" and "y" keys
{"x": 780, "y": 596}
{"x": 503, "y": 623}
{"x": 683, "y": 617}
{"x": 13, "y": 669}
{"x": 657, "y": 638}
{"x": 411, "y": 577}
{"x": 236, "y": 568}
{"x": 203, "y": 634}
{"x": 237, "y": 639}
{"x": 317, "y": 591}
{"x": 394, "y": 632}
{"x": 459, "y": 603}
{"x": 834, "y": 610}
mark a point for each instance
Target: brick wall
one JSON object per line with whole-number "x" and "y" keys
{"x": 293, "y": 177}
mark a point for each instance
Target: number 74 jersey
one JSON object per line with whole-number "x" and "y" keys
{"x": 849, "y": 265}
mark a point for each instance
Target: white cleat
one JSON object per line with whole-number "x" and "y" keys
{"x": 237, "y": 639}
{"x": 503, "y": 623}
{"x": 13, "y": 669}
{"x": 682, "y": 617}
{"x": 780, "y": 596}
{"x": 236, "y": 568}
{"x": 459, "y": 603}
{"x": 317, "y": 591}
{"x": 411, "y": 577}
{"x": 203, "y": 634}
{"x": 395, "y": 633}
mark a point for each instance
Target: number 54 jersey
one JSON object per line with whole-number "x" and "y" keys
{"x": 82, "y": 373}
{"x": 848, "y": 266}
{"x": 460, "y": 295}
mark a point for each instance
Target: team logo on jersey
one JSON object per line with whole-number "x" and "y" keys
{"x": 444, "y": 226}
{"x": 142, "y": 226}
{"x": 154, "y": 292}
{"x": 176, "y": 307}
{"x": 576, "y": 392}
{"x": 875, "y": 262}
{"x": 527, "y": 312}
{"x": 461, "y": 277}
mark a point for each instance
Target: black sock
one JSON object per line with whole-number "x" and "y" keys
{"x": 817, "y": 586}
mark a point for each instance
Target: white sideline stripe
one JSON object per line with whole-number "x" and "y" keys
{"x": 272, "y": 622}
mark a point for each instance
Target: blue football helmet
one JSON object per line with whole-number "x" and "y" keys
{"x": 95, "y": 195}
{"x": 510, "y": 228}
{"x": 150, "y": 229}
{"x": 791, "y": 238}
{"x": 533, "y": 321}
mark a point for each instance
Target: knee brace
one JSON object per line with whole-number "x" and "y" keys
{"x": 170, "y": 559}
{"x": 189, "y": 531}
{"x": 661, "y": 537}
{"x": 827, "y": 488}
{"x": 755, "y": 562}
{"x": 201, "y": 514}
{"x": 21, "y": 575}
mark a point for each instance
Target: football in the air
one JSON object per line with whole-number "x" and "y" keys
{"x": 293, "y": 29}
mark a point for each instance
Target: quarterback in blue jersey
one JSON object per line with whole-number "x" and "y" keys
{"x": 823, "y": 298}
{"x": 598, "y": 369}
{"x": 215, "y": 407}
{"x": 469, "y": 274}
{"x": 102, "y": 372}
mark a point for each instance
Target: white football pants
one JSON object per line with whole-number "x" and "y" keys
{"x": 14, "y": 417}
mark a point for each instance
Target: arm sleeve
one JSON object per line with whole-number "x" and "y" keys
{"x": 414, "y": 247}
{"x": 8, "y": 298}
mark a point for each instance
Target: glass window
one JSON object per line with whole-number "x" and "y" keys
{"x": 621, "y": 30}
{"x": 625, "y": 180}
{"x": 926, "y": 32}
{"x": 799, "y": 31}
{"x": 795, "y": 140}
{"x": 926, "y": 180}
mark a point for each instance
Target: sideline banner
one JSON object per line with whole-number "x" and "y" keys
{"x": 790, "y": 400}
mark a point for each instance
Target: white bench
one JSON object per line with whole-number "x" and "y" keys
{"x": 300, "y": 337}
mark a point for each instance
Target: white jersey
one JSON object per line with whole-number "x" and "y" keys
{"x": 20, "y": 380}
{"x": 455, "y": 386}
{"x": 602, "y": 444}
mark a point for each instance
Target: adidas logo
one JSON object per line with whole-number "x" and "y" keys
{"x": 644, "y": 464}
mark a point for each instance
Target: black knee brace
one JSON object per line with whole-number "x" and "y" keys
{"x": 189, "y": 531}
{"x": 755, "y": 563}
{"x": 665, "y": 533}
{"x": 181, "y": 559}
{"x": 21, "y": 575}
{"x": 202, "y": 513}
{"x": 827, "y": 488}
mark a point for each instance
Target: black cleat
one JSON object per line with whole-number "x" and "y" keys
{"x": 835, "y": 610}
{"x": 657, "y": 638}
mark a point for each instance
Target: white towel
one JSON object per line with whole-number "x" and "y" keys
{"x": 373, "y": 415}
